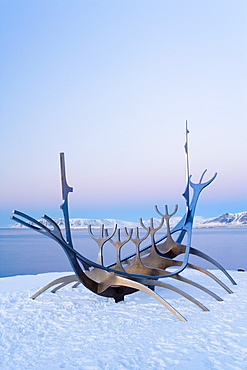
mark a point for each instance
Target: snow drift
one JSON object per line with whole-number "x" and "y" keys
{"x": 75, "y": 329}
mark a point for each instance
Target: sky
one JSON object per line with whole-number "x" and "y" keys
{"x": 111, "y": 83}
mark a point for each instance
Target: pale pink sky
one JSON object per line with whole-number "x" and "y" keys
{"x": 111, "y": 84}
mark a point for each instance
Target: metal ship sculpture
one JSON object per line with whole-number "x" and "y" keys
{"x": 143, "y": 270}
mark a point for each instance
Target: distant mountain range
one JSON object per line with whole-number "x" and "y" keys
{"x": 228, "y": 219}
{"x": 225, "y": 220}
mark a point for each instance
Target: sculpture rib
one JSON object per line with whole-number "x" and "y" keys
{"x": 117, "y": 280}
{"x": 206, "y": 290}
{"x": 206, "y": 272}
{"x": 177, "y": 290}
{"x": 212, "y": 276}
{"x": 200, "y": 254}
{"x": 62, "y": 285}
{"x": 61, "y": 281}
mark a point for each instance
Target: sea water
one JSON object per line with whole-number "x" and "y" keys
{"x": 24, "y": 252}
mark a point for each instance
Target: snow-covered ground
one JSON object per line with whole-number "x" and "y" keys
{"x": 75, "y": 329}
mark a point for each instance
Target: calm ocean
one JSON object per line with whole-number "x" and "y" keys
{"x": 24, "y": 252}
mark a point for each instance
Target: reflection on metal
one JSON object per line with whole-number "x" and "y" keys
{"x": 141, "y": 270}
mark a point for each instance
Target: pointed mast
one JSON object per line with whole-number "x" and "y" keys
{"x": 186, "y": 193}
{"x": 65, "y": 191}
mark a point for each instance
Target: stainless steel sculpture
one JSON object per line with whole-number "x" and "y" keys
{"x": 143, "y": 269}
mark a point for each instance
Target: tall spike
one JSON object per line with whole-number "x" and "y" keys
{"x": 65, "y": 191}
{"x": 186, "y": 193}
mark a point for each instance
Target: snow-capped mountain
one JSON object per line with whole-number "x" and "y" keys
{"x": 83, "y": 223}
{"x": 225, "y": 220}
{"x": 228, "y": 219}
